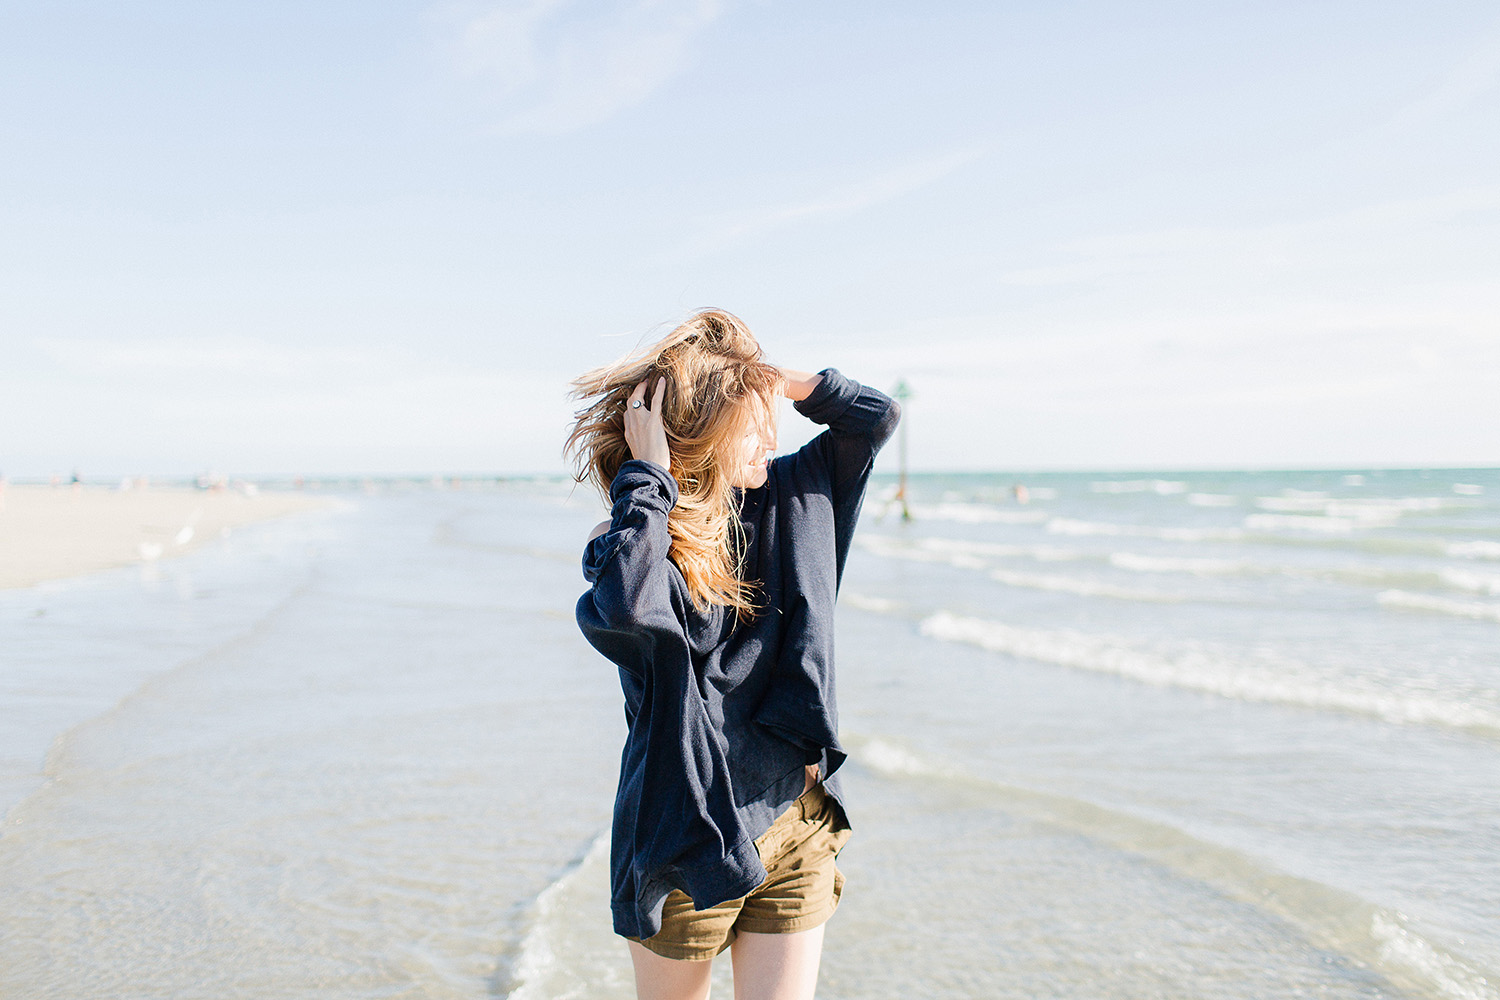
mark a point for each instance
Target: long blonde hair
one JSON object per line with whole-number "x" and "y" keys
{"x": 716, "y": 376}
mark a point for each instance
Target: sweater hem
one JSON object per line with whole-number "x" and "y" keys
{"x": 733, "y": 876}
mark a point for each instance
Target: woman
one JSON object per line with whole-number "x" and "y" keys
{"x": 712, "y": 590}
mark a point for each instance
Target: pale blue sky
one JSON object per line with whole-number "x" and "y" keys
{"x": 381, "y": 236}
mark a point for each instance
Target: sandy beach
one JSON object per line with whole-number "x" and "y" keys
{"x": 47, "y": 533}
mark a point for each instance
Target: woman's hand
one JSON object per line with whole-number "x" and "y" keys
{"x": 797, "y": 385}
{"x": 644, "y": 432}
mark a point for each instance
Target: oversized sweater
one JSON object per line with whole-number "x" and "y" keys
{"x": 723, "y": 716}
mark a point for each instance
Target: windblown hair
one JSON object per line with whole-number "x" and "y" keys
{"x": 717, "y": 380}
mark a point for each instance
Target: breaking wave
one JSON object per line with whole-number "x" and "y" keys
{"x": 1374, "y": 935}
{"x": 1212, "y": 671}
{"x": 1082, "y": 586}
{"x": 1070, "y": 526}
{"x": 1478, "y": 610}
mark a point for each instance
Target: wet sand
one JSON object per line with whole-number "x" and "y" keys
{"x": 47, "y": 533}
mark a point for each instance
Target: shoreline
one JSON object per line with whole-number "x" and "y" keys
{"x": 56, "y": 532}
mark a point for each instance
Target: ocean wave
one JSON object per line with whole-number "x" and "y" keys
{"x": 1161, "y": 487}
{"x": 974, "y": 513}
{"x": 1069, "y": 526}
{"x": 1468, "y": 489}
{"x": 865, "y": 602}
{"x": 1472, "y": 550}
{"x": 1196, "y": 566}
{"x": 1477, "y": 610}
{"x": 1213, "y": 672}
{"x": 1081, "y": 586}
{"x": 1301, "y": 522}
{"x": 1368, "y": 511}
{"x": 959, "y": 552}
{"x": 898, "y": 549}
{"x": 1475, "y": 583}
{"x": 559, "y": 956}
{"x": 1389, "y": 578}
{"x": 1334, "y": 918}
{"x": 1410, "y": 952}
{"x": 1212, "y": 499}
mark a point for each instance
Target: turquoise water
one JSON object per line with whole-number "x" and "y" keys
{"x": 1147, "y": 735}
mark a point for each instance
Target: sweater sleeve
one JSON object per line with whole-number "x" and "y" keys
{"x": 627, "y": 566}
{"x": 860, "y": 420}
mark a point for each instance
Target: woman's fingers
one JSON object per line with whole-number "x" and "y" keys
{"x": 644, "y": 432}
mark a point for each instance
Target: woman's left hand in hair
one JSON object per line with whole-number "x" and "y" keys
{"x": 797, "y": 385}
{"x": 644, "y": 431}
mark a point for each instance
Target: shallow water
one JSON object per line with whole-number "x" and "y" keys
{"x": 1141, "y": 737}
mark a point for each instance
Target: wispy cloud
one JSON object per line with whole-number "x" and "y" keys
{"x": 554, "y": 66}
{"x": 846, "y": 199}
{"x": 1468, "y": 80}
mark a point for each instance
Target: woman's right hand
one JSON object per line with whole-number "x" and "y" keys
{"x": 644, "y": 432}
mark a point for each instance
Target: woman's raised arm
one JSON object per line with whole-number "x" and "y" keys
{"x": 860, "y": 419}
{"x": 626, "y": 564}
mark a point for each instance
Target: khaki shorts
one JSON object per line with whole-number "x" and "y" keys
{"x": 801, "y": 889}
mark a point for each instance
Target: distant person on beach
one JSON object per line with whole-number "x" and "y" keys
{"x": 712, "y": 589}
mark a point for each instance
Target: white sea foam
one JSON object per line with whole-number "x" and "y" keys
{"x": 963, "y": 546}
{"x": 1081, "y": 586}
{"x": 894, "y": 548}
{"x": 1163, "y": 487}
{"x": 1416, "y": 955}
{"x": 1138, "y": 563}
{"x": 1468, "y": 489}
{"x": 1069, "y": 526}
{"x": 1292, "y": 504}
{"x": 1212, "y": 499}
{"x": 888, "y": 758}
{"x": 960, "y": 552}
{"x": 1473, "y": 550}
{"x": 1361, "y": 510}
{"x": 559, "y": 957}
{"x": 864, "y": 602}
{"x": 974, "y": 513}
{"x": 1300, "y": 522}
{"x": 1477, "y": 583}
{"x": 1203, "y": 668}
{"x": 1380, "y": 508}
{"x": 1478, "y": 610}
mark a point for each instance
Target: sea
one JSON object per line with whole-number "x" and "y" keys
{"x": 1200, "y": 735}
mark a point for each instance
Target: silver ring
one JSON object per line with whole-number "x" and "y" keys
{"x": 636, "y": 405}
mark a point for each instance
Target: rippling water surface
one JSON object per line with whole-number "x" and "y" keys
{"x": 1189, "y": 735}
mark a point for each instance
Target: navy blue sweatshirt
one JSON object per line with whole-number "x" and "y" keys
{"x": 724, "y": 716}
